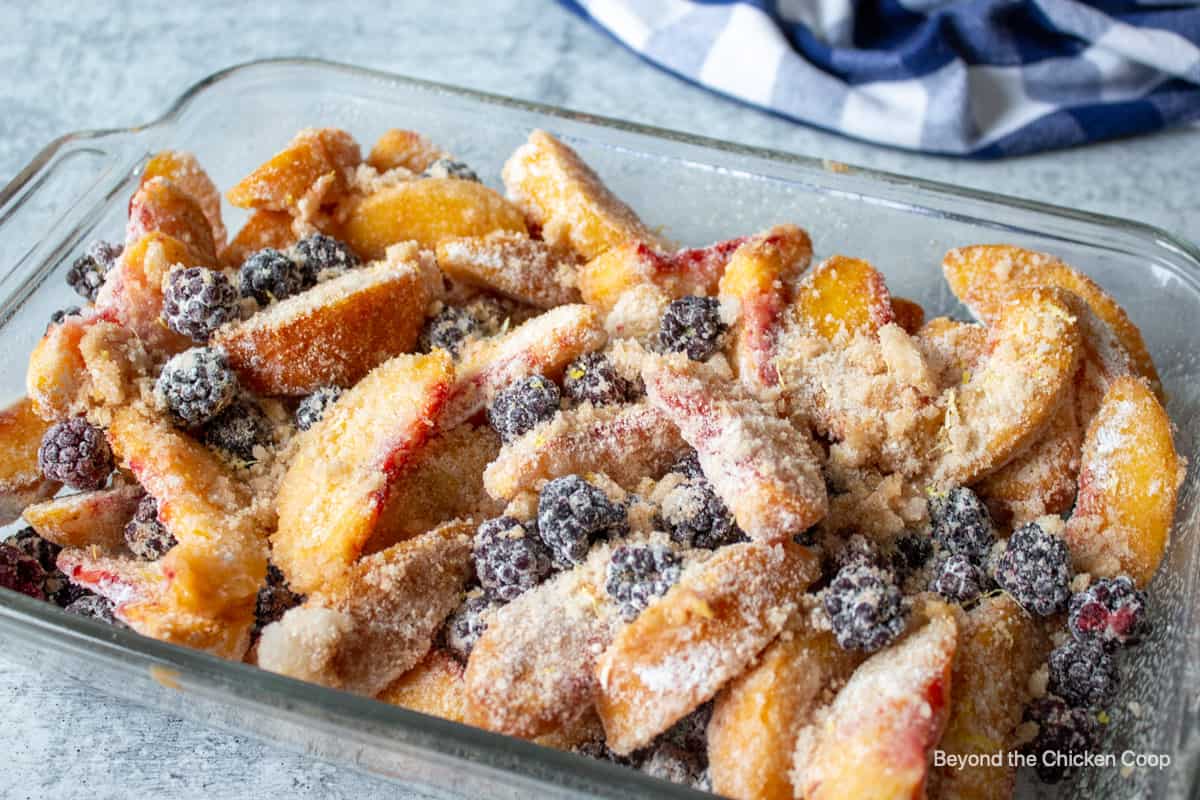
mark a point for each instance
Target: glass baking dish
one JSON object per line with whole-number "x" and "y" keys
{"x": 698, "y": 190}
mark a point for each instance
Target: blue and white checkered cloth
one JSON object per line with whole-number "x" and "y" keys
{"x": 982, "y": 78}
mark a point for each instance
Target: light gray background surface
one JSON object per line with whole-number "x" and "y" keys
{"x": 71, "y": 65}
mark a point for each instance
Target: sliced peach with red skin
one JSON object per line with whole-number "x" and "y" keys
{"x": 982, "y": 275}
{"x": 880, "y": 731}
{"x": 87, "y": 519}
{"x": 21, "y": 479}
{"x": 184, "y": 171}
{"x": 426, "y": 211}
{"x": 566, "y": 199}
{"x": 1128, "y": 484}
{"x": 843, "y": 296}
{"x": 678, "y": 273}
{"x": 337, "y": 331}
{"x": 701, "y": 634}
{"x": 760, "y": 465}
{"x": 758, "y": 277}
{"x": 330, "y": 499}
{"x": 314, "y": 166}
{"x": 262, "y": 230}
{"x": 160, "y": 206}
{"x": 401, "y": 148}
{"x": 513, "y": 265}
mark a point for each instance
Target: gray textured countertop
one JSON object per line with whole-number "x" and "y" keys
{"x": 77, "y": 65}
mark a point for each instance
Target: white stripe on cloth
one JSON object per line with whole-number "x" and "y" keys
{"x": 634, "y": 24}
{"x": 745, "y": 57}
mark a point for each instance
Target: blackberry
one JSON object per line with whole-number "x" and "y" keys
{"x": 510, "y": 558}
{"x": 449, "y": 168}
{"x": 668, "y": 762}
{"x": 21, "y": 572}
{"x": 1083, "y": 674}
{"x": 44, "y": 551}
{"x": 269, "y": 276}
{"x": 87, "y": 274}
{"x": 60, "y": 590}
{"x": 317, "y": 253}
{"x": 857, "y": 549}
{"x": 637, "y": 574}
{"x": 592, "y": 378}
{"x": 695, "y": 517}
{"x": 692, "y": 325}
{"x": 76, "y": 453}
{"x": 601, "y": 752}
{"x": 273, "y": 600}
{"x": 145, "y": 535}
{"x": 313, "y": 408}
{"x": 1062, "y": 730}
{"x": 196, "y": 385}
{"x": 447, "y": 329}
{"x": 238, "y": 432}
{"x": 1035, "y": 568}
{"x": 688, "y": 465}
{"x": 95, "y": 607}
{"x": 465, "y": 626}
{"x": 958, "y": 579}
{"x": 691, "y": 732}
{"x": 961, "y": 524}
{"x": 865, "y": 607}
{"x": 573, "y": 513}
{"x": 59, "y": 316}
{"x": 1111, "y": 611}
{"x": 912, "y": 552}
{"x": 197, "y": 301}
{"x": 522, "y": 406}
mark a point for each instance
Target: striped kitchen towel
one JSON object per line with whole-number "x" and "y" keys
{"x": 982, "y": 78}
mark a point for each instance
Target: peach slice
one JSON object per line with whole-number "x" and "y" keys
{"x": 56, "y": 378}
{"x": 877, "y": 738}
{"x": 434, "y": 687}
{"x": 401, "y": 148}
{"x": 21, "y": 480}
{"x": 566, "y": 199}
{"x": 87, "y": 519}
{"x": 758, "y": 278}
{"x": 377, "y": 619}
{"x": 544, "y": 344}
{"x": 336, "y": 332}
{"x": 426, "y": 211}
{"x": 761, "y": 466}
{"x": 908, "y": 314}
{"x": 981, "y": 275}
{"x": 160, "y": 206}
{"x": 513, "y": 265}
{"x": 952, "y": 349}
{"x": 184, "y": 171}
{"x": 843, "y": 296}
{"x": 1034, "y": 350}
{"x": 752, "y": 735}
{"x": 330, "y": 500}
{"x": 999, "y": 648}
{"x": 314, "y": 169}
{"x": 1128, "y": 482}
{"x": 608, "y": 276}
{"x": 702, "y": 633}
{"x": 627, "y": 443}
{"x": 262, "y": 230}
{"x": 1042, "y": 479}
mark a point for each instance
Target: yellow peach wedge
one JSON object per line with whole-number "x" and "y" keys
{"x": 160, "y": 206}
{"x": 182, "y": 169}
{"x": 21, "y": 480}
{"x": 313, "y": 170}
{"x": 401, "y": 148}
{"x": 843, "y": 296}
{"x": 262, "y": 230}
{"x": 87, "y": 519}
{"x": 513, "y": 265}
{"x": 606, "y": 278}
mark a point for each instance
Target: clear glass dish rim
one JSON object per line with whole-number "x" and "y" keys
{"x": 48, "y": 626}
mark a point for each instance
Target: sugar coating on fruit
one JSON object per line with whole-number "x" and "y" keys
{"x": 523, "y": 406}
{"x": 76, "y": 453}
{"x": 197, "y": 301}
{"x": 696, "y": 517}
{"x": 692, "y": 325}
{"x": 1035, "y": 568}
{"x": 448, "y": 329}
{"x": 467, "y": 623}
{"x": 241, "y": 433}
{"x": 268, "y": 276}
{"x": 449, "y": 168}
{"x": 510, "y": 558}
{"x": 145, "y": 536}
{"x": 87, "y": 273}
{"x": 571, "y": 514}
{"x": 865, "y": 607}
{"x": 513, "y": 265}
{"x": 196, "y": 385}
{"x": 638, "y": 574}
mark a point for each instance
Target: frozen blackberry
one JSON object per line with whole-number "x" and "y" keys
{"x": 593, "y": 378}
{"x": 1083, "y": 674}
{"x": 958, "y": 579}
{"x": 269, "y": 276}
{"x": 1111, "y": 611}
{"x": 1035, "y": 568}
{"x": 691, "y": 732}
{"x": 465, "y": 626}
{"x": 669, "y": 762}
{"x": 522, "y": 406}
{"x": 274, "y": 599}
{"x": 510, "y": 558}
{"x": 317, "y": 253}
{"x": 695, "y": 517}
{"x": 60, "y": 591}
{"x": 911, "y": 553}
{"x": 1062, "y": 730}
{"x": 601, "y": 752}
{"x": 95, "y": 607}
{"x": 692, "y": 325}
{"x": 58, "y": 316}
{"x": 865, "y": 607}
{"x": 857, "y": 549}
{"x": 197, "y": 301}
{"x": 449, "y": 168}
{"x": 21, "y": 572}
{"x": 145, "y": 535}
{"x": 637, "y": 574}
{"x": 87, "y": 274}
{"x": 76, "y": 453}
{"x": 43, "y": 550}
{"x": 312, "y": 408}
{"x": 447, "y": 329}
{"x": 573, "y": 513}
{"x": 240, "y": 433}
{"x": 196, "y": 385}
{"x": 961, "y": 524}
